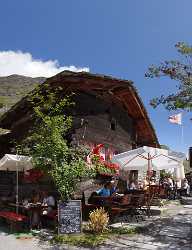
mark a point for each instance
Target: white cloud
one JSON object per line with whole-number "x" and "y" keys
{"x": 20, "y": 63}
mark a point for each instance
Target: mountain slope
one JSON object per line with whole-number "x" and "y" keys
{"x": 14, "y": 87}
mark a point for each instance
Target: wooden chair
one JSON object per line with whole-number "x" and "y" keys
{"x": 118, "y": 208}
{"x": 86, "y": 206}
{"x": 130, "y": 207}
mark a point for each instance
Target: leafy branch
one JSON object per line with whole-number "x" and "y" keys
{"x": 180, "y": 72}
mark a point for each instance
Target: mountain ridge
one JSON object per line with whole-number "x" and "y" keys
{"x": 14, "y": 87}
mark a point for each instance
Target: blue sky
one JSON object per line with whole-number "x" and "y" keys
{"x": 119, "y": 38}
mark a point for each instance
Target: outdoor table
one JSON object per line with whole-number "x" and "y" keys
{"x": 108, "y": 201}
{"x": 134, "y": 191}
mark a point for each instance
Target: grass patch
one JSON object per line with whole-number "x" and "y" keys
{"x": 125, "y": 230}
{"x": 93, "y": 240}
{"x": 23, "y": 235}
{"x": 87, "y": 240}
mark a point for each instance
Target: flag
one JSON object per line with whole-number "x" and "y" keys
{"x": 176, "y": 118}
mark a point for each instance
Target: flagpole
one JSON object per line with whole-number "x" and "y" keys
{"x": 182, "y": 136}
{"x": 177, "y": 119}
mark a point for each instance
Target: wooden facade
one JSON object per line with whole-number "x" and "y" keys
{"x": 96, "y": 121}
{"x": 107, "y": 111}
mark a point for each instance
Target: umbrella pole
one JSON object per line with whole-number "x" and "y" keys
{"x": 17, "y": 189}
{"x": 149, "y": 167}
{"x": 149, "y": 170}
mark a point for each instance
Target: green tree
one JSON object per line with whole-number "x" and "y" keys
{"x": 180, "y": 71}
{"x": 48, "y": 145}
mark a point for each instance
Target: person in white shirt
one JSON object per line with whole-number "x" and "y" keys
{"x": 185, "y": 187}
{"x": 132, "y": 186}
{"x": 170, "y": 182}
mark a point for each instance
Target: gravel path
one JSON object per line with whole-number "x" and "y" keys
{"x": 171, "y": 231}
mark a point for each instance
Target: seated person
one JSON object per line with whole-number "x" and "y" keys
{"x": 105, "y": 191}
{"x": 35, "y": 212}
{"x": 169, "y": 187}
{"x": 185, "y": 188}
{"x": 178, "y": 184}
{"x": 25, "y": 201}
{"x": 170, "y": 182}
{"x": 114, "y": 188}
{"x": 35, "y": 197}
{"x": 153, "y": 181}
{"x": 132, "y": 186}
{"x": 48, "y": 200}
{"x": 92, "y": 199}
{"x": 145, "y": 184}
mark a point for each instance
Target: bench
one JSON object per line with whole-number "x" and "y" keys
{"x": 15, "y": 220}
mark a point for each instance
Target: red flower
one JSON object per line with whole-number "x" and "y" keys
{"x": 111, "y": 165}
{"x": 32, "y": 175}
{"x": 106, "y": 164}
{"x": 96, "y": 150}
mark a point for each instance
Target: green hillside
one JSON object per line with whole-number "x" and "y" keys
{"x": 14, "y": 87}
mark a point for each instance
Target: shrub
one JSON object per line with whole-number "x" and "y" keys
{"x": 98, "y": 221}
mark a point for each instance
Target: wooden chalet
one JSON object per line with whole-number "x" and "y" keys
{"x": 107, "y": 110}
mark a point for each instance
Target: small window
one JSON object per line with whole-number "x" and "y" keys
{"x": 113, "y": 125}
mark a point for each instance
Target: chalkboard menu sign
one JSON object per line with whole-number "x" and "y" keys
{"x": 69, "y": 217}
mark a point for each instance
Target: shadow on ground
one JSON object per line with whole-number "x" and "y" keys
{"x": 162, "y": 234}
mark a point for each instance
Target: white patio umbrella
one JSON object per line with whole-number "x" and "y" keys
{"x": 149, "y": 158}
{"x": 16, "y": 163}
